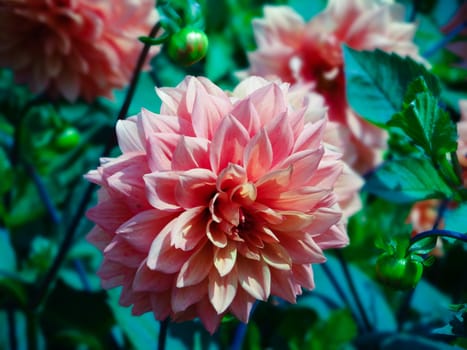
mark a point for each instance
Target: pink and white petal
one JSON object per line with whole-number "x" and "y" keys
{"x": 228, "y": 144}
{"x": 258, "y": 156}
{"x": 225, "y": 258}
{"x": 281, "y": 136}
{"x": 184, "y": 297}
{"x": 99, "y": 238}
{"x": 269, "y": 102}
{"x": 222, "y": 290}
{"x": 120, "y": 251}
{"x": 216, "y": 235}
{"x": 311, "y": 137}
{"x": 303, "y": 275}
{"x": 147, "y": 280}
{"x": 160, "y": 190}
{"x": 141, "y": 304}
{"x": 160, "y": 148}
{"x": 208, "y": 315}
{"x": 163, "y": 256}
{"x": 128, "y": 136}
{"x": 244, "y": 111}
{"x": 189, "y": 228}
{"x": 196, "y": 268}
{"x": 208, "y": 112}
{"x": 304, "y": 166}
{"x": 302, "y": 251}
{"x": 282, "y": 285}
{"x": 276, "y": 256}
{"x": 242, "y": 304}
{"x": 254, "y": 277}
{"x": 190, "y": 153}
{"x": 335, "y": 237}
{"x": 195, "y": 188}
{"x": 150, "y": 123}
{"x": 140, "y": 230}
{"x": 160, "y": 303}
{"x": 109, "y": 215}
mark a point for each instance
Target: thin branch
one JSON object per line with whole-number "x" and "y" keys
{"x": 445, "y": 40}
{"x": 164, "y": 326}
{"x": 10, "y": 311}
{"x": 342, "y": 295}
{"x": 354, "y": 292}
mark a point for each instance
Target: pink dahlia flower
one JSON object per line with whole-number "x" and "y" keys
{"x": 311, "y": 53}
{"x": 73, "y": 48}
{"x": 217, "y": 201}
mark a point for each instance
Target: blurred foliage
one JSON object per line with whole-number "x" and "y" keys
{"x": 421, "y": 106}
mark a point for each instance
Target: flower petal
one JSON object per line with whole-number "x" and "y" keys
{"x": 222, "y": 290}
{"x": 196, "y": 268}
{"x": 254, "y": 277}
{"x": 224, "y": 259}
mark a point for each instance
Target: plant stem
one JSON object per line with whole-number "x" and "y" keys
{"x": 343, "y": 296}
{"x": 42, "y": 191}
{"x": 353, "y": 290}
{"x": 404, "y": 307}
{"x": 445, "y": 40}
{"x": 72, "y": 228}
{"x": 240, "y": 332}
{"x": 440, "y": 233}
{"x": 164, "y": 325}
{"x": 10, "y": 311}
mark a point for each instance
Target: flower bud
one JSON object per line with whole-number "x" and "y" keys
{"x": 187, "y": 46}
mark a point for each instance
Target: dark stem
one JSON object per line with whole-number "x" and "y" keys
{"x": 354, "y": 292}
{"x": 78, "y": 265}
{"x": 440, "y": 233}
{"x": 445, "y": 40}
{"x": 240, "y": 332}
{"x": 10, "y": 311}
{"x": 164, "y": 326}
{"x": 42, "y": 191}
{"x": 403, "y": 312}
{"x": 413, "y": 11}
{"x": 31, "y": 329}
{"x": 342, "y": 295}
{"x": 83, "y": 204}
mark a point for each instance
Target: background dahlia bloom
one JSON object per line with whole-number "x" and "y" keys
{"x": 300, "y": 52}
{"x": 217, "y": 201}
{"x": 73, "y": 48}
{"x": 462, "y": 142}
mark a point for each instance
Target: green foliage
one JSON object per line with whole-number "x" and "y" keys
{"x": 457, "y": 326}
{"x": 333, "y": 333}
{"x": 425, "y": 123}
{"x": 407, "y": 180}
{"x": 377, "y": 82}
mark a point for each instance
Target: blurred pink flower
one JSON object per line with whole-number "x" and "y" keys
{"x": 73, "y": 48}
{"x": 462, "y": 142}
{"x": 422, "y": 217}
{"x": 311, "y": 53}
{"x": 217, "y": 201}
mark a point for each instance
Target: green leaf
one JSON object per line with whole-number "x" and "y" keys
{"x": 458, "y": 324}
{"x": 427, "y": 125}
{"x": 423, "y": 246}
{"x": 12, "y": 292}
{"x": 377, "y": 82}
{"x": 333, "y": 333}
{"x": 407, "y": 180}
{"x": 7, "y": 253}
{"x": 85, "y": 312}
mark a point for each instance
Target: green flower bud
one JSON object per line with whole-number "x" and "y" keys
{"x": 187, "y": 46}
